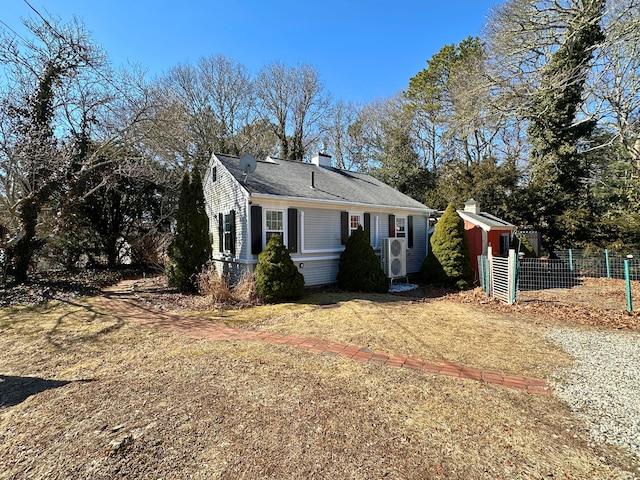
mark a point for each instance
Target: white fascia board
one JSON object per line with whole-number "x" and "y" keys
{"x": 344, "y": 205}
{"x": 484, "y": 226}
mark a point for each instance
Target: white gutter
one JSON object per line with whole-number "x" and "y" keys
{"x": 299, "y": 200}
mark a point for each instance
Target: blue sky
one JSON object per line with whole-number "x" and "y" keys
{"x": 364, "y": 50}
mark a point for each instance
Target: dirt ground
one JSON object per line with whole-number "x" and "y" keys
{"x": 88, "y": 394}
{"x": 599, "y": 302}
{"x": 599, "y": 293}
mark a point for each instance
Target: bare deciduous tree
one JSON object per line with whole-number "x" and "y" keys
{"x": 293, "y": 100}
{"x": 613, "y": 86}
{"x": 202, "y": 109}
{"x": 64, "y": 109}
{"x": 340, "y": 135}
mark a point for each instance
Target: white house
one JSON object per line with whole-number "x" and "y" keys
{"x": 313, "y": 207}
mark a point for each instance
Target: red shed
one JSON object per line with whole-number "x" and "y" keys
{"x": 483, "y": 231}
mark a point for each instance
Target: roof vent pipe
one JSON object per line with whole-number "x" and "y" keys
{"x": 313, "y": 180}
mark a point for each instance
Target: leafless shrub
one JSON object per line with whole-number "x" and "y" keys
{"x": 245, "y": 290}
{"x": 216, "y": 288}
{"x": 150, "y": 250}
{"x": 213, "y": 286}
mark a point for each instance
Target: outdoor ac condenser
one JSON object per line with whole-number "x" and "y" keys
{"x": 394, "y": 258}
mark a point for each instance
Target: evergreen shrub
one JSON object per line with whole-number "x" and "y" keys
{"x": 191, "y": 246}
{"x": 276, "y": 276}
{"x": 448, "y": 262}
{"x": 360, "y": 269}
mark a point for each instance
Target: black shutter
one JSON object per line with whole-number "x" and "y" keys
{"x": 292, "y": 234}
{"x": 256, "y": 229}
{"x": 410, "y": 231}
{"x": 220, "y": 232}
{"x": 344, "y": 227}
{"x": 367, "y": 225}
{"x": 392, "y": 226}
{"x": 232, "y": 235}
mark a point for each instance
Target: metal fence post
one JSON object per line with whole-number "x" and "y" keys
{"x": 513, "y": 275}
{"x": 571, "y": 260}
{"x": 606, "y": 256}
{"x": 628, "y": 282}
{"x": 490, "y": 270}
{"x": 485, "y": 261}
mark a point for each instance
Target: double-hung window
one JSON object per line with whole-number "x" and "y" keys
{"x": 401, "y": 227}
{"x": 228, "y": 233}
{"x": 274, "y": 224}
{"x": 355, "y": 221}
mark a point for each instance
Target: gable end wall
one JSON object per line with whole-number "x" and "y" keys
{"x": 222, "y": 196}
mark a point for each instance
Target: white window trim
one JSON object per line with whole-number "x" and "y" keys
{"x": 264, "y": 225}
{"x": 304, "y": 250}
{"x": 377, "y": 233}
{"x": 405, "y": 226}
{"x": 360, "y": 215}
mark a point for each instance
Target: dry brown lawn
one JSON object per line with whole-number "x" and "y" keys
{"x": 89, "y": 395}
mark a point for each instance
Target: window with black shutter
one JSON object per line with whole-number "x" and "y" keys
{"x": 229, "y": 232}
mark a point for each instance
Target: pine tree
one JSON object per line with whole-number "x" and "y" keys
{"x": 448, "y": 262}
{"x": 191, "y": 246}
{"x": 276, "y": 276}
{"x": 359, "y": 269}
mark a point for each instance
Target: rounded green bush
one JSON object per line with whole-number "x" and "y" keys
{"x": 276, "y": 276}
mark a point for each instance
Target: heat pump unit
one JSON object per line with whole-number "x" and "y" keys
{"x": 394, "y": 258}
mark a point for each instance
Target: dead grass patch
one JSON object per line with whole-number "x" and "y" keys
{"x": 164, "y": 406}
{"x": 444, "y": 330}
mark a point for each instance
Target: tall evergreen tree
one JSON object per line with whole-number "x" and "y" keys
{"x": 557, "y": 165}
{"x": 448, "y": 262}
{"x": 191, "y": 246}
{"x": 359, "y": 269}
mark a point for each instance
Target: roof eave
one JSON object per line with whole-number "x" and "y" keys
{"x": 486, "y": 227}
{"x": 425, "y": 210}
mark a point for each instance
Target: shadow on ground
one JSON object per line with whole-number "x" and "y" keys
{"x": 15, "y": 390}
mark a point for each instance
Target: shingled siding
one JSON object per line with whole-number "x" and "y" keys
{"x": 222, "y": 196}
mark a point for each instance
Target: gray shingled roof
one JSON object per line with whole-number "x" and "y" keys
{"x": 293, "y": 179}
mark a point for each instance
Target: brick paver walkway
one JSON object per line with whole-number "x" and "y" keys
{"x": 120, "y": 301}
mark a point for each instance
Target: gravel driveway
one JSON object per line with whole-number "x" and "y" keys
{"x": 603, "y": 387}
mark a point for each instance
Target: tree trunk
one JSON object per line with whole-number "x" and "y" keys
{"x": 26, "y": 246}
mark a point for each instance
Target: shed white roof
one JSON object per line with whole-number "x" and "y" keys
{"x": 486, "y": 221}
